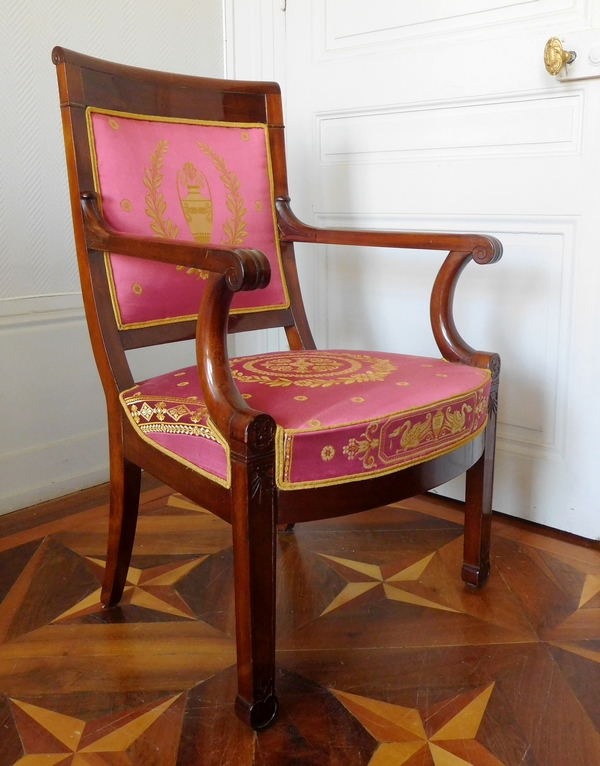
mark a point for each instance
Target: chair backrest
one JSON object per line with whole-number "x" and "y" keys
{"x": 184, "y": 158}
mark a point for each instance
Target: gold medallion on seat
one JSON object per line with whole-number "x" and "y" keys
{"x": 311, "y": 369}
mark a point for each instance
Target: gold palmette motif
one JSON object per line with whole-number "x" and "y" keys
{"x": 365, "y": 447}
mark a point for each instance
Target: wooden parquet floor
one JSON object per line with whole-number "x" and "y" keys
{"x": 384, "y": 658}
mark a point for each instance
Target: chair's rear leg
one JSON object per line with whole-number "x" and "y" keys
{"x": 285, "y": 528}
{"x": 125, "y": 481}
{"x": 478, "y": 505}
{"x": 254, "y": 554}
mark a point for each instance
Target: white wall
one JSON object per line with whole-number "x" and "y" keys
{"x": 53, "y": 437}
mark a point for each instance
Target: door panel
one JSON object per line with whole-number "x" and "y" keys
{"x": 440, "y": 115}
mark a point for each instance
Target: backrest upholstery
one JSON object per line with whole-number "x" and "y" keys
{"x": 186, "y": 180}
{"x": 177, "y": 157}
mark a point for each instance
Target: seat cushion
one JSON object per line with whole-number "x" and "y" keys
{"x": 341, "y": 415}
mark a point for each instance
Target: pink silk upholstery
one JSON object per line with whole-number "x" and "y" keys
{"x": 182, "y": 180}
{"x": 341, "y": 415}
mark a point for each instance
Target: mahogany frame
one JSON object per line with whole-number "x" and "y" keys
{"x": 254, "y": 505}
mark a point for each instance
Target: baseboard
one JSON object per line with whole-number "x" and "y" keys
{"x": 52, "y": 470}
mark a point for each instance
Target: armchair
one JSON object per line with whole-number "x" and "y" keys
{"x": 183, "y": 229}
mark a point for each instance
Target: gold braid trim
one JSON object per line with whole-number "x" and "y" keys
{"x": 234, "y": 227}
{"x": 178, "y": 428}
{"x": 154, "y": 199}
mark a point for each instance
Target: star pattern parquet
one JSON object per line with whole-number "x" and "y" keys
{"x": 384, "y": 657}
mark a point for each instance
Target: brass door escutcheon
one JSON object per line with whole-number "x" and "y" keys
{"x": 555, "y": 57}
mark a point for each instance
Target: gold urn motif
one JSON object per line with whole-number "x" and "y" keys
{"x": 196, "y": 201}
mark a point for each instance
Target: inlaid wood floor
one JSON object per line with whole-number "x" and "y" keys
{"x": 384, "y": 658}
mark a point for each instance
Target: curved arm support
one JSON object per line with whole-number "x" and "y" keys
{"x": 251, "y": 431}
{"x": 243, "y": 269}
{"x": 485, "y": 249}
{"x": 449, "y": 341}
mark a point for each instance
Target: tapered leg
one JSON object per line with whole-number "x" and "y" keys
{"x": 125, "y": 481}
{"x": 478, "y": 512}
{"x": 254, "y": 552}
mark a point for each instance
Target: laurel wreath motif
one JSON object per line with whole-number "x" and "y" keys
{"x": 156, "y": 205}
{"x": 234, "y": 227}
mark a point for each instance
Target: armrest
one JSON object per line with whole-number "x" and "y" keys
{"x": 243, "y": 269}
{"x": 483, "y": 249}
{"x": 230, "y": 270}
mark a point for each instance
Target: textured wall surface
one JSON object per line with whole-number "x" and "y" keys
{"x": 35, "y": 227}
{"x": 53, "y": 439}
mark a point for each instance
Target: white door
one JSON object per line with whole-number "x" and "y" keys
{"x": 439, "y": 114}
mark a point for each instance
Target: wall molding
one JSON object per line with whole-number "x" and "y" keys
{"x": 515, "y": 124}
{"x": 35, "y": 309}
{"x": 373, "y": 26}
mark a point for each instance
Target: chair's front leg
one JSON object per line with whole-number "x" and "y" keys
{"x": 254, "y": 553}
{"x": 478, "y": 505}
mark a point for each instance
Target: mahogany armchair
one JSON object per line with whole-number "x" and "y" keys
{"x": 183, "y": 229}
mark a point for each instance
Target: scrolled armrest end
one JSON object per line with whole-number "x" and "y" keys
{"x": 490, "y": 252}
{"x": 252, "y": 271}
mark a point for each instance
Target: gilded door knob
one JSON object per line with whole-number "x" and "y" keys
{"x": 555, "y": 57}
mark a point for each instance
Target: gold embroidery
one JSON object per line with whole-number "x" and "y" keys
{"x": 456, "y": 420}
{"x": 200, "y": 273}
{"x": 246, "y": 396}
{"x": 147, "y": 411}
{"x": 244, "y": 136}
{"x": 438, "y": 422}
{"x": 136, "y": 288}
{"x": 234, "y": 227}
{"x": 440, "y": 375}
{"x": 314, "y": 423}
{"x": 327, "y": 453}
{"x": 444, "y": 426}
{"x": 196, "y": 206}
{"x": 426, "y": 365}
{"x": 301, "y": 398}
{"x": 154, "y": 199}
{"x": 364, "y": 448}
{"x": 357, "y": 399}
{"x": 160, "y": 410}
{"x": 402, "y": 383}
{"x": 284, "y": 303}
{"x": 298, "y": 369}
{"x": 179, "y": 374}
{"x": 258, "y": 206}
{"x": 178, "y": 428}
{"x": 481, "y": 405}
{"x": 185, "y": 383}
{"x": 411, "y": 436}
{"x": 126, "y": 205}
{"x": 113, "y": 123}
{"x": 178, "y": 412}
{"x": 198, "y": 414}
